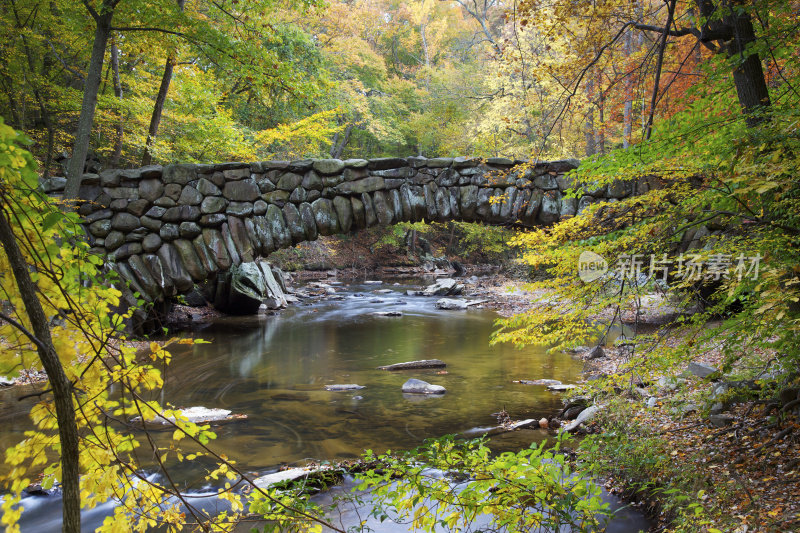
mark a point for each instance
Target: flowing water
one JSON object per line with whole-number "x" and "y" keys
{"x": 273, "y": 368}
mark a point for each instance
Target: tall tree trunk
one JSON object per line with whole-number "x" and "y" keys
{"x": 588, "y": 126}
{"x": 83, "y": 133}
{"x": 736, "y": 29}
{"x": 627, "y": 112}
{"x": 117, "y": 155}
{"x": 601, "y": 103}
{"x": 155, "y": 118}
{"x": 62, "y": 388}
{"x": 337, "y": 149}
{"x": 334, "y": 145}
{"x": 748, "y": 76}
{"x": 648, "y": 129}
{"x": 161, "y": 97}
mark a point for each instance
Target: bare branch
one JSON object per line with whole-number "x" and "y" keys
{"x": 144, "y": 28}
{"x": 24, "y": 330}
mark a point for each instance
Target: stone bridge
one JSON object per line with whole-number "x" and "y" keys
{"x": 167, "y": 229}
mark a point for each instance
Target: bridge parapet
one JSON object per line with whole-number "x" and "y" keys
{"x": 168, "y": 228}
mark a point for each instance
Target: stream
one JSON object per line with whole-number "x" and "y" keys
{"x": 274, "y": 368}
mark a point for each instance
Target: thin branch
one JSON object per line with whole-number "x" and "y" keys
{"x": 69, "y": 69}
{"x": 91, "y": 10}
{"x": 147, "y": 28}
{"x": 24, "y": 330}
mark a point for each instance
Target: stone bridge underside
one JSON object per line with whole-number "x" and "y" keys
{"x": 167, "y": 229}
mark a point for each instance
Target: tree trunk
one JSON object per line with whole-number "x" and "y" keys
{"x": 334, "y": 145}
{"x": 627, "y": 113}
{"x": 748, "y": 76}
{"x": 155, "y": 119}
{"x": 648, "y": 129}
{"x": 338, "y": 147}
{"x": 62, "y": 388}
{"x": 588, "y": 125}
{"x": 423, "y": 28}
{"x": 117, "y": 155}
{"x": 601, "y": 103}
{"x": 735, "y": 31}
{"x": 161, "y": 97}
{"x": 83, "y": 133}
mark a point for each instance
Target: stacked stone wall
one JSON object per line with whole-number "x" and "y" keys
{"x": 166, "y": 229}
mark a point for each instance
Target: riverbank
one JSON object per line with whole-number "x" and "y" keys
{"x": 701, "y": 448}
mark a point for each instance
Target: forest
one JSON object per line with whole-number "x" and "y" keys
{"x": 684, "y": 117}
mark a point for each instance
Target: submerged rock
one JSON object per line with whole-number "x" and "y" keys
{"x": 546, "y": 382}
{"x": 290, "y": 397}
{"x": 345, "y": 387}
{"x": 411, "y": 365}
{"x": 417, "y": 386}
{"x": 388, "y": 313}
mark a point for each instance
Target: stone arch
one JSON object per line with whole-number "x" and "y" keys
{"x": 164, "y": 229}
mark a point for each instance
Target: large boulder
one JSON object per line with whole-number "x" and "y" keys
{"x": 444, "y": 287}
{"x": 243, "y": 288}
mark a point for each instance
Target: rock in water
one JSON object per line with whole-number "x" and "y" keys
{"x": 345, "y": 387}
{"x": 545, "y": 382}
{"x": 247, "y": 288}
{"x": 451, "y": 303}
{"x": 243, "y": 288}
{"x": 273, "y": 277}
{"x": 196, "y": 415}
{"x": 417, "y": 386}
{"x": 411, "y": 365}
{"x": 291, "y": 474}
{"x": 444, "y": 287}
{"x": 388, "y": 313}
{"x": 543, "y": 423}
{"x": 585, "y": 415}
{"x": 560, "y": 388}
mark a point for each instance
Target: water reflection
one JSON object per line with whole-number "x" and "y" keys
{"x": 274, "y": 369}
